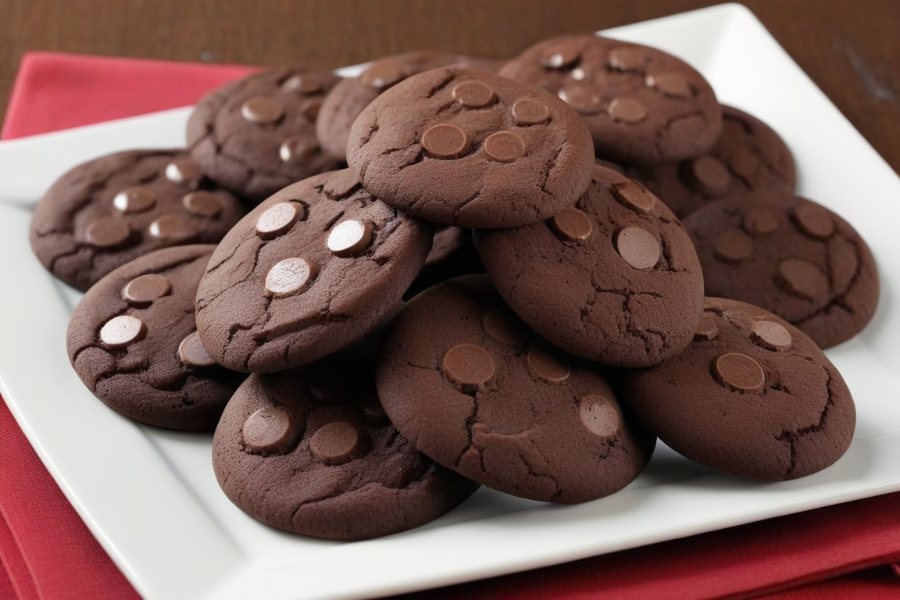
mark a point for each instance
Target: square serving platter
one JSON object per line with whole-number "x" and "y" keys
{"x": 150, "y": 496}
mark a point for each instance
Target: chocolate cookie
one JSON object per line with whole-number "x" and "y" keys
{"x": 350, "y": 96}
{"x": 133, "y": 342}
{"x": 258, "y": 134}
{"x": 641, "y": 104}
{"x": 752, "y": 396}
{"x": 790, "y": 256}
{"x": 476, "y": 390}
{"x": 469, "y": 148}
{"x": 614, "y": 279}
{"x": 748, "y": 156}
{"x": 311, "y": 451}
{"x": 308, "y": 271}
{"x": 110, "y": 210}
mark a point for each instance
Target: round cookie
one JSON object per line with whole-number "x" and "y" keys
{"x": 641, "y": 104}
{"x": 133, "y": 342}
{"x": 311, "y": 451}
{"x": 113, "y": 209}
{"x": 614, "y": 279}
{"x": 748, "y": 156}
{"x": 476, "y": 390}
{"x": 469, "y": 148}
{"x": 350, "y": 96}
{"x": 308, "y": 271}
{"x": 790, "y": 256}
{"x": 751, "y": 396}
{"x": 256, "y": 135}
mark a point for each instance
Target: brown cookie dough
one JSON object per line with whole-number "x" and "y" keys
{"x": 469, "y": 148}
{"x": 311, "y": 451}
{"x": 641, "y": 104}
{"x": 256, "y": 135}
{"x": 476, "y": 390}
{"x": 790, "y": 256}
{"x": 133, "y": 342}
{"x": 308, "y": 271}
{"x": 748, "y": 156}
{"x": 614, "y": 279}
{"x": 113, "y": 209}
{"x": 752, "y": 396}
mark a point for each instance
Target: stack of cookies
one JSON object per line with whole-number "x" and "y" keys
{"x": 450, "y": 272}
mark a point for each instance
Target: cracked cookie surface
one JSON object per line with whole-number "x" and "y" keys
{"x": 113, "y": 209}
{"x": 457, "y": 146}
{"x": 790, "y": 256}
{"x": 476, "y": 390}
{"x": 614, "y": 279}
{"x": 752, "y": 396}
{"x": 132, "y": 340}
{"x": 311, "y": 451}
{"x": 748, "y": 156}
{"x": 308, "y": 271}
{"x": 256, "y": 135}
{"x": 641, "y": 104}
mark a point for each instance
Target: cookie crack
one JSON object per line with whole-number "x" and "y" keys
{"x": 840, "y": 299}
{"x": 791, "y": 437}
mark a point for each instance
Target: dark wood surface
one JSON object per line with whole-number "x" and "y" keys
{"x": 850, "y": 48}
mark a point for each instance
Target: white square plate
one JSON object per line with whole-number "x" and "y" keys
{"x": 151, "y": 498}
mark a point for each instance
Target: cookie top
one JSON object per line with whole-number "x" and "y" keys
{"x": 748, "y": 156}
{"x": 614, "y": 279}
{"x": 311, "y": 451}
{"x": 110, "y": 210}
{"x": 790, "y": 256}
{"x": 350, "y": 96}
{"x": 641, "y": 104}
{"x": 256, "y": 135}
{"x": 476, "y": 390}
{"x": 469, "y": 148}
{"x": 308, "y": 271}
{"x": 751, "y": 396}
{"x": 133, "y": 342}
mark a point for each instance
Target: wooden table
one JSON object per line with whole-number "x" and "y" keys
{"x": 850, "y": 48}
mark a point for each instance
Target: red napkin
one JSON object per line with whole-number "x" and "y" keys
{"x": 49, "y": 554}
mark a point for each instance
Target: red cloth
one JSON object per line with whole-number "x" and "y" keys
{"x": 48, "y": 553}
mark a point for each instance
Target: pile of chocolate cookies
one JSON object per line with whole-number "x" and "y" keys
{"x": 450, "y": 272}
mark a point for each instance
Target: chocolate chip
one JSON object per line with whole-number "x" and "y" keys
{"x": 634, "y": 197}
{"x": 122, "y": 331}
{"x": 709, "y": 174}
{"x": 586, "y": 100}
{"x": 504, "y": 146}
{"x": 381, "y": 75}
{"x": 191, "y": 352}
{"x": 262, "y": 110}
{"x": 350, "y": 238}
{"x": 628, "y": 59}
{"x": 571, "y": 225}
{"x": 738, "y": 373}
{"x": 546, "y": 367}
{"x": 143, "y": 290}
{"x": 813, "y": 220}
{"x": 760, "y": 220}
{"x": 706, "y": 330}
{"x": 638, "y": 247}
{"x": 802, "y": 279}
{"x": 530, "y": 111}
{"x": 474, "y": 94}
{"x": 290, "y": 276}
{"x": 371, "y": 407}
{"x": 298, "y": 149}
{"x": 468, "y": 366}
{"x": 504, "y": 326}
{"x": 743, "y": 162}
{"x": 671, "y": 84}
{"x": 733, "y": 246}
{"x": 627, "y": 110}
{"x": 303, "y": 84}
{"x": 202, "y": 203}
{"x": 172, "y": 228}
{"x": 278, "y": 219}
{"x": 134, "y": 199}
{"x": 270, "y": 430}
{"x": 599, "y": 415}
{"x": 560, "y": 55}
{"x": 107, "y": 232}
{"x": 445, "y": 141}
{"x": 771, "y": 336}
{"x": 184, "y": 170}
{"x": 338, "y": 443}
{"x": 311, "y": 108}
